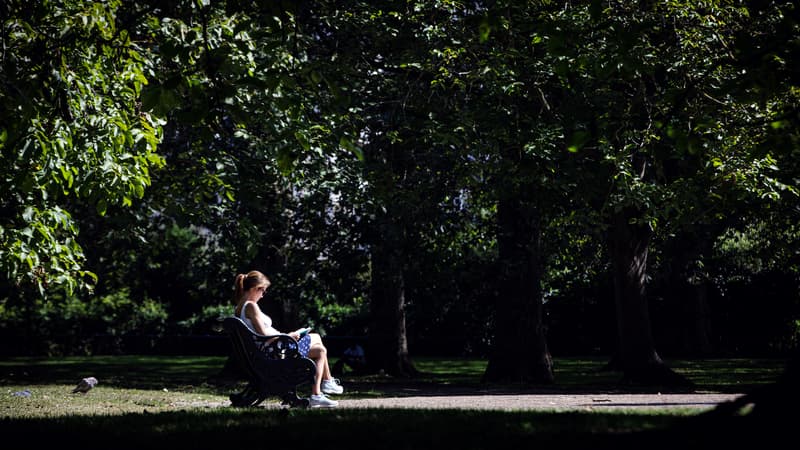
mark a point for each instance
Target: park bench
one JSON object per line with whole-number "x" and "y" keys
{"x": 272, "y": 365}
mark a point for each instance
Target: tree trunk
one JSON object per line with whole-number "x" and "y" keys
{"x": 519, "y": 351}
{"x": 637, "y": 356}
{"x": 387, "y": 346}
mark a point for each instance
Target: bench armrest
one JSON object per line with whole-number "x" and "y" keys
{"x": 278, "y": 346}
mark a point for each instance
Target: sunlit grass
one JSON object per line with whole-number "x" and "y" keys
{"x": 57, "y": 400}
{"x": 135, "y": 384}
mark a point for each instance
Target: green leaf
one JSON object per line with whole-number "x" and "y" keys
{"x": 484, "y": 30}
{"x": 577, "y": 141}
{"x": 101, "y": 207}
{"x": 347, "y": 144}
{"x": 303, "y": 140}
{"x": 285, "y": 161}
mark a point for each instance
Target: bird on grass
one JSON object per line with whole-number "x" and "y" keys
{"x": 85, "y": 385}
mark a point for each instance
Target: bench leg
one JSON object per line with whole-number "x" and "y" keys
{"x": 248, "y": 397}
{"x": 292, "y": 400}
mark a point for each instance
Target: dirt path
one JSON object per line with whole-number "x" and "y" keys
{"x": 425, "y": 395}
{"x": 522, "y": 401}
{"x": 549, "y": 401}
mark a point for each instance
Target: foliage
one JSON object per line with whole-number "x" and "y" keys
{"x": 162, "y": 147}
{"x": 70, "y": 325}
{"x": 756, "y": 268}
{"x": 72, "y": 126}
{"x": 207, "y": 321}
{"x": 255, "y": 178}
{"x": 758, "y": 247}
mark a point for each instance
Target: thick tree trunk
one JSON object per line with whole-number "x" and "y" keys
{"x": 519, "y": 351}
{"x": 387, "y": 346}
{"x": 637, "y": 356}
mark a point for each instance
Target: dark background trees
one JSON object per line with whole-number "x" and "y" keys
{"x": 478, "y": 178}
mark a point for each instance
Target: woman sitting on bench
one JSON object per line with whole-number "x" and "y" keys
{"x": 248, "y": 291}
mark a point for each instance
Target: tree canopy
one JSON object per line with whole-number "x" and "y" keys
{"x": 403, "y": 168}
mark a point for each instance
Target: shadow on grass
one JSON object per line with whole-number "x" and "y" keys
{"x": 386, "y": 429}
{"x": 438, "y": 376}
{"x": 126, "y": 371}
{"x": 574, "y": 376}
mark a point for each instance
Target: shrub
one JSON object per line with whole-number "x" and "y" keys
{"x": 206, "y": 321}
{"x": 70, "y": 325}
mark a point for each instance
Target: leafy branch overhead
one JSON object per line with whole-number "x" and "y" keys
{"x": 189, "y": 138}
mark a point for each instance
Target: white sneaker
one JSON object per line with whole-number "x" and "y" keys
{"x": 320, "y": 401}
{"x": 331, "y": 386}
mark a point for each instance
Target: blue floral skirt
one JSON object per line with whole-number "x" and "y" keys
{"x": 304, "y": 345}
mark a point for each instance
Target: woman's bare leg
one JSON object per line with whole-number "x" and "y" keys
{"x": 320, "y": 356}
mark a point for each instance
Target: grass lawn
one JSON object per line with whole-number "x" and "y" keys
{"x": 167, "y": 401}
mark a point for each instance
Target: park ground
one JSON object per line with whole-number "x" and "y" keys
{"x": 160, "y": 402}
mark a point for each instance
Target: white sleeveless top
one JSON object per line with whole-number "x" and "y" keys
{"x": 267, "y": 321}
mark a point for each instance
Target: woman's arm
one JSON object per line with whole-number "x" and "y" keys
{"x": 254, "y": 314}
